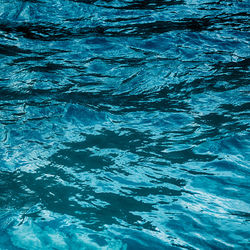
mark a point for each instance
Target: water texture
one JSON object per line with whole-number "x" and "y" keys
{"x": 124, "y": 124}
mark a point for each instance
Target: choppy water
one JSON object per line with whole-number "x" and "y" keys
{"x": 124, "y": 124}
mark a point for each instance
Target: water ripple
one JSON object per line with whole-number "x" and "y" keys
{"x": 124, "y": 124}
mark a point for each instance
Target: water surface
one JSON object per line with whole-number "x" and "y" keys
{"x": 124, "y": 124}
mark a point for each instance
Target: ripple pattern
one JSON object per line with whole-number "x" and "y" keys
{"x": 124, "y": 124}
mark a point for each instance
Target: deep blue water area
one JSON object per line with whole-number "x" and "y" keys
{"x": 124, "y": 124}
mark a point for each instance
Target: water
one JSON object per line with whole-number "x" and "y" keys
{"x": 124, "y": 124}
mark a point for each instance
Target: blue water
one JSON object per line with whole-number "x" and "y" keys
{"x": 124, "y": 124}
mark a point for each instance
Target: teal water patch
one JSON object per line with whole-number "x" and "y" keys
{"x": 124, "y": 124}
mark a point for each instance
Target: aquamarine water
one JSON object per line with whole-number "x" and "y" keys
{"x": 124, "y": 124}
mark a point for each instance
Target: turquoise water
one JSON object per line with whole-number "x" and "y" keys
{"x": 124, "y": 124}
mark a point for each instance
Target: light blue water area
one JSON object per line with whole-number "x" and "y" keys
{"x": 124, "y": 124}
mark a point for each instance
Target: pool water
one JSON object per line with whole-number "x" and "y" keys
{"x": 124, "y": 124}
